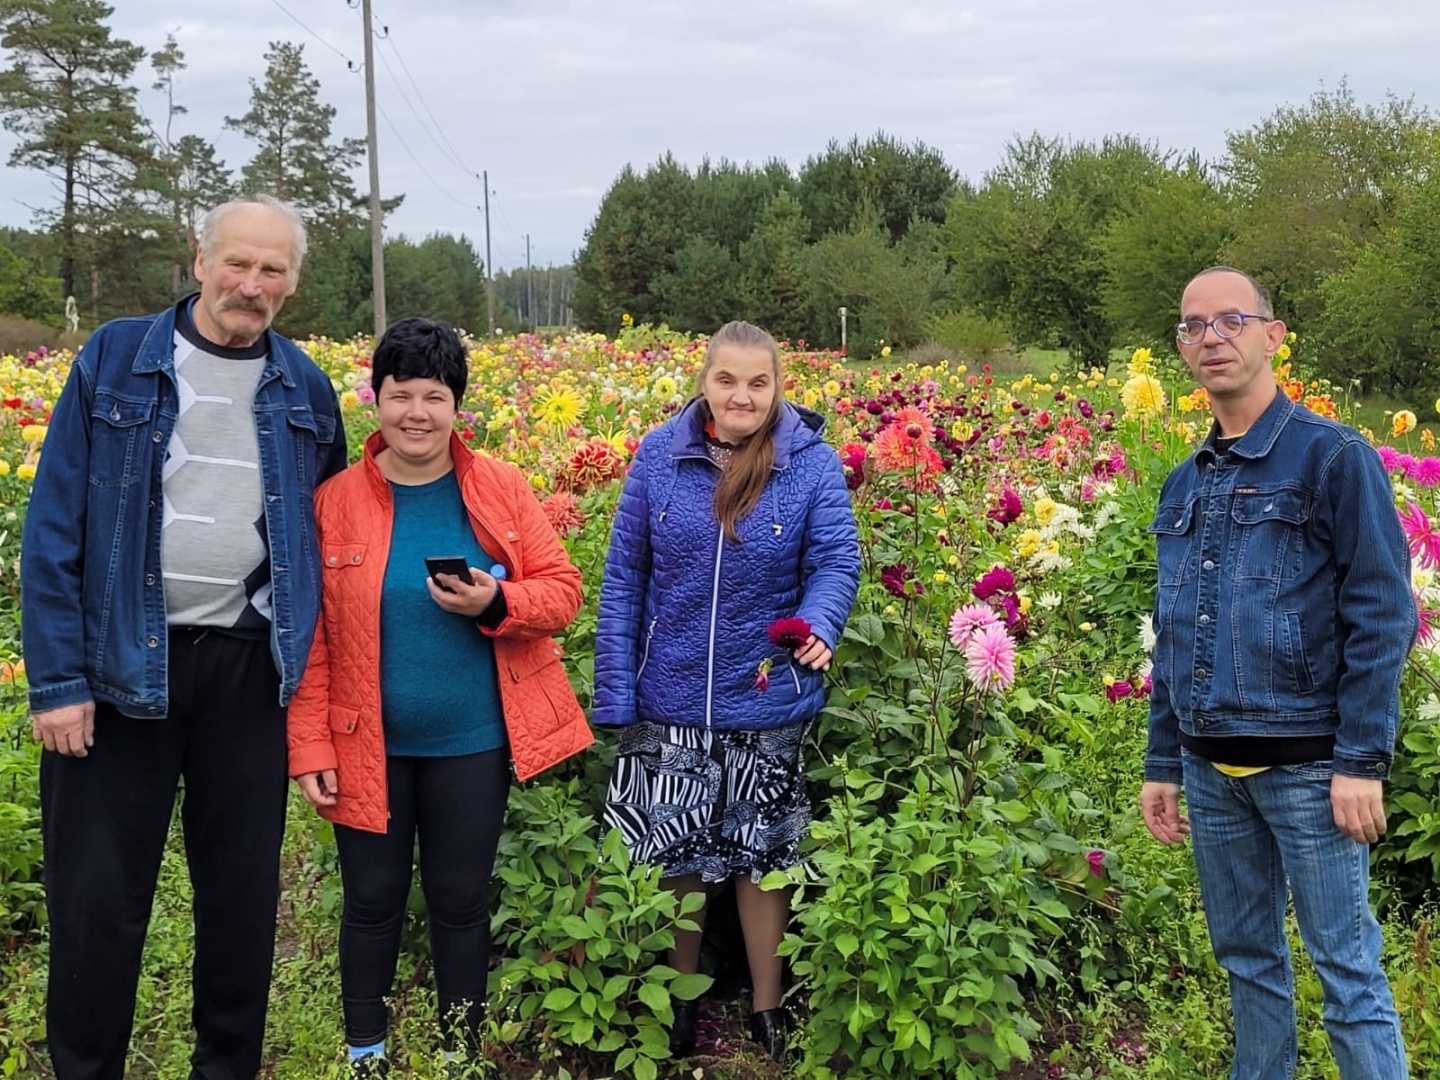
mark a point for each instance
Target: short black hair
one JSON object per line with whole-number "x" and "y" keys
{"x": 421, "y": 349}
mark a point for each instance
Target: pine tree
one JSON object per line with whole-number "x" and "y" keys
{"x": 296, "y": 160}
{"x": 190, "y": 178}
{"x": 66, "y": 96}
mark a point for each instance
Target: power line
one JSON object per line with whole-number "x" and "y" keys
{"x": 414, "y": 112}
{"x": 455, "y": 154}
{"x": 426, "y": 172}
{"x": 296, "y": 19}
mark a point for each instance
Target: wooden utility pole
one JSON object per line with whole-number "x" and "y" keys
{"x": 529, "y": 287}
{"x": 489, "y": 270}
{"x": 377, "y": 221}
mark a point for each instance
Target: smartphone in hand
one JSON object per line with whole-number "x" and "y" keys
{"x": 449, "y": 564}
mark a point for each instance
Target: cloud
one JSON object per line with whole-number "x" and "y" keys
{"x": 555, "y": 101}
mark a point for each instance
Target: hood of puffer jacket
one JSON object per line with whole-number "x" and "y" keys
{"x": 798, "y": 428}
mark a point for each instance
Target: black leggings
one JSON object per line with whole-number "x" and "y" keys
{"x": 457, "y": 804}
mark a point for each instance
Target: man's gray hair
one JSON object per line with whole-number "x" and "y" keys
{"x": 1263, "y": 304}
{"x": 210, "y": 226}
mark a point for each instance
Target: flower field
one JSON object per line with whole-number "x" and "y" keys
{"x": 980, "y": 898}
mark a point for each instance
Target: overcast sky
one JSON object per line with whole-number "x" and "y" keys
{"x": 555, "y": 98}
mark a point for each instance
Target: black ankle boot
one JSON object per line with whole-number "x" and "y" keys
{"x": 682, "y": 1031}
{"x": 771, "y": 1029}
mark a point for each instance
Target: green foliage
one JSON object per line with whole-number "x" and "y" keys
{"x": 973, "y": 337}
{"x": 1028, "y": 246}
{"x": 65, "y": 95}
{"x": 1314, "y": 183}
{"x": 584, "y": 932}
{"x": 27, "y": 293}
{"x": 889, "y": 290}
{"x": 1177, "y": 225}
{"x": 898, "y": 184}
{"x": 21, "y": 899}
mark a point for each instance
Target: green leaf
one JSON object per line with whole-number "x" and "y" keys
{"x": 846, "y": 944}
{"x": 576, "y": 927}
{"x": 1054, "y": 908}
{"x": 655, "y": 996}
{"x": 645, "y": 1068}
{"x": 559, "y": 999}
{"x": 689, "y": 987}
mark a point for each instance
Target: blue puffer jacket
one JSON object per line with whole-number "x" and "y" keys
{"x": 684, "y": 612}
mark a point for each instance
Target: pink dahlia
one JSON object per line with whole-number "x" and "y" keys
{"x": 967, "y": 620}
{"x": 990, "y": 658}
{"x": 1421, "y": 535}
{"x": 1426, "y": 472}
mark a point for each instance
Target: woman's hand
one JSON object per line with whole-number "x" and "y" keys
{"x": 462, "y": 599}
{"x": 815, "y": 654}
{"x": 319, "y": 788}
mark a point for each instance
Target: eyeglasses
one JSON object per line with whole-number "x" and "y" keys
{"x": 1229, "y": 325}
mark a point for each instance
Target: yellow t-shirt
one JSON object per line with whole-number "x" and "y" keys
{"x": 1240, "y": 770}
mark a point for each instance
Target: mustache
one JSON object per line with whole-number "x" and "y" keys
{"x": 243, "y": 303}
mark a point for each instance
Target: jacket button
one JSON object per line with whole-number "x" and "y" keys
{"x": 154, "y": 709}
{"x": 152, "y": 641}
{"x": 510, "y": 535}
{"x": 555, "y": 651}
{"x": 149, "y": 579}
{"x": 1199, "y": 724}
{"x": 1268, "y": 508}
{"x": 1204, "y": 620}
{"x": 332, "y": 560}
{"x": 158, "y": 436}
{"x": 355, "y": 559}
{"x": 1201, "y": 673}
{"x": 1209, "y": 564}
{"x": 514, "y": 674}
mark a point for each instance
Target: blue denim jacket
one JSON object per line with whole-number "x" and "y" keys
{"x": 1285, "y": 605}
{"x": 92, "y": 598}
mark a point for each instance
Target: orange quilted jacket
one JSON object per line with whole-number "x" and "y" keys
{"x": 334, "y": 719}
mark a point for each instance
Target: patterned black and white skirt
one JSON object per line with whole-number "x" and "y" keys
{"x": 713, "y": 803}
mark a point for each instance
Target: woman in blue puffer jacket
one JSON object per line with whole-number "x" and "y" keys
{"x": 733, "y": 565}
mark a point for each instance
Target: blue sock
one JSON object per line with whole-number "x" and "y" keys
{"x": 358, "y": 1052}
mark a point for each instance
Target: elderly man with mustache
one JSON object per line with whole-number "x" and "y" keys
{"x": 170, "y": 591}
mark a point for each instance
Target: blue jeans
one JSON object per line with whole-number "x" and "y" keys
{"x": 1251, "y": 836}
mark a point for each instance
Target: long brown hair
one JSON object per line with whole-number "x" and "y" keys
{"x": 749, "y": 466}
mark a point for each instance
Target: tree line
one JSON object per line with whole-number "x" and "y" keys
{"x": 1077, "y": 245}
{"x": 120, "y": 236}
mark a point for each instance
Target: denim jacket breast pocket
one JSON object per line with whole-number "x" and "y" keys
{"x": 119, "y": 428}
{"x": 1269, "y": 532}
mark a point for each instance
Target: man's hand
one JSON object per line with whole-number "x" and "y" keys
{"x": 69, "y": 730}
{"x": 1359, "y": 807}
{"x": 462, "y": 599}
{"x": 1160, "y": 806}
{"x": 319, "y": 788}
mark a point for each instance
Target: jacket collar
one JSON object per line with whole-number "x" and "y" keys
{"x": 157, "y": 349}
{"x": 798, "y": 427}
{"x": 1262, "y": 436}
{"x": 462, "y": 456}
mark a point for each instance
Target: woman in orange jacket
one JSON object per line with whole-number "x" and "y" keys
{"x": 422, "y": 689}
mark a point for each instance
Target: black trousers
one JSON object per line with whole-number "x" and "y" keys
{"x": 457, "y": 807}
{"x": 105, "y": 819}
